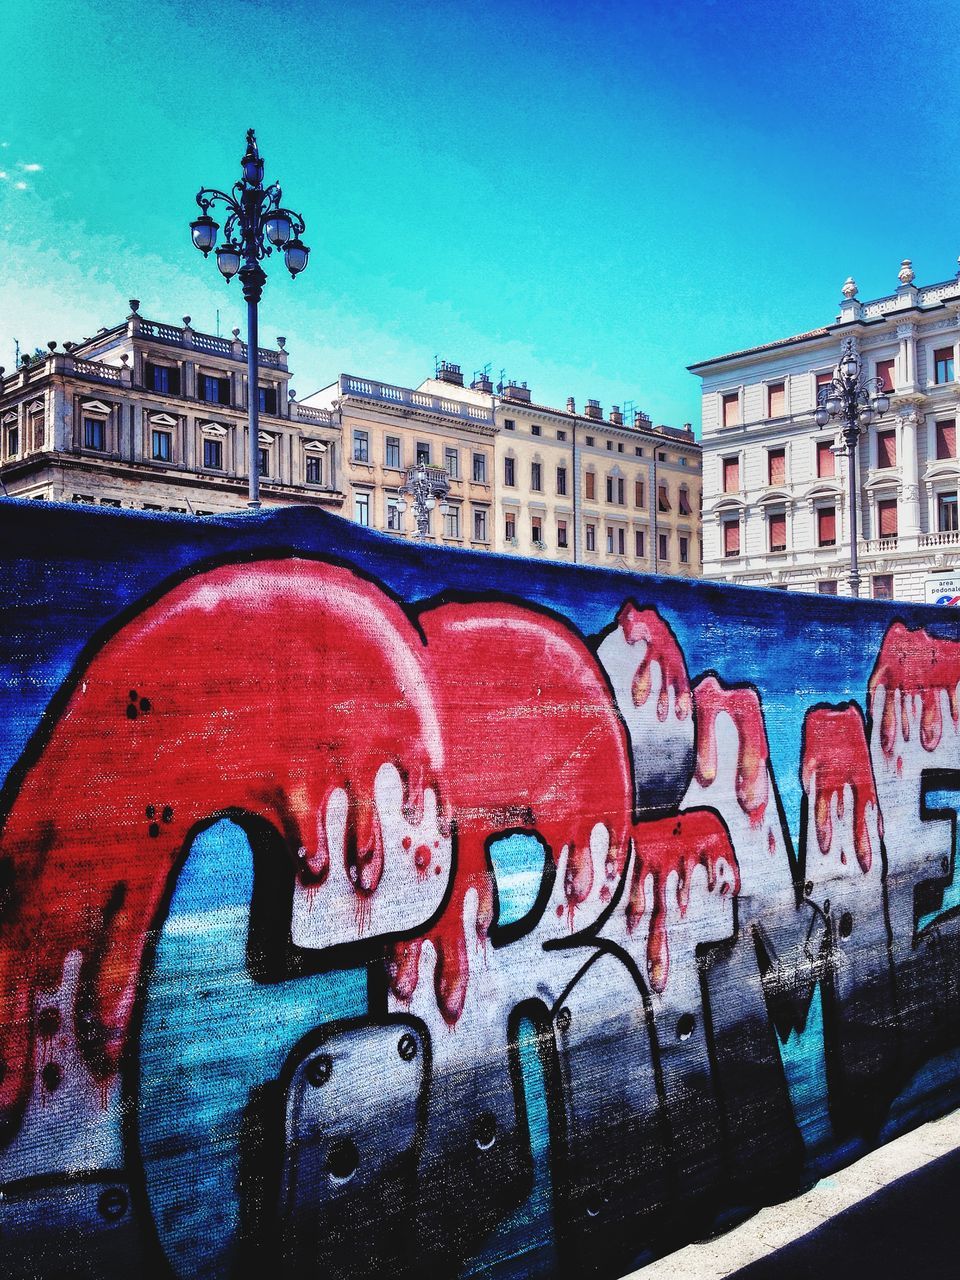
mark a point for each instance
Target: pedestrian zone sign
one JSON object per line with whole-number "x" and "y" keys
{"x": 943, "y": 588}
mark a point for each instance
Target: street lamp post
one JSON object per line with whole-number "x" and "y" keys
{"x": 854, "y": 400}
{"x": 425, "y": 485}
{"x": 255, "y": 225}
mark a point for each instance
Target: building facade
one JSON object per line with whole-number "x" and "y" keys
{"x": 524, "y": 478}
{"x": 775, "y": 509}
{"x": 154, "y": 416}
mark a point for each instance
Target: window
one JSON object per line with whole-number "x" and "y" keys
{"x": 827, "y": 527}
{"x": 213, "y": 454}
{"x": 509, "y": 424}
{"x": 886, "y": 448}
{"x": 661, "y": 457}
{"x": 590, "y": 485}
{"x": 451, "y": 522}
{"x": 111, "y": 502}
{"x": 361, "y": 446}
{"x": 777, "y": 531}
{"x": 943, "y": 365}
{"x": 638, "y": 494}
{"x": 621, "y": 491}
{"x": 731, "y": 475}
{"x": 38, "y": 429}
{"x": 663, "y": 548}
{"x": 535, "y": 429}
{"x": 823, "y": 380}
{"x": 361, "y": 508}
{"x": 479, "y": 524}
{"x": 561, "y": 435}
{"x": 887, "y": 518}
{"x": 947, "y": 512}
{"x": 214, "y": 390}
{"x": 684, "y": 550}
{"x": 663, "y": 498}
{"x": 423, "y": 453}
{"x": 391, "y": 452}
{"x": 884, "y": 371}
{"x": 777, "y": 466}
{"x": 536, "y": 528}
{"x": 264, "y": 461}
{"x": 479, "y": 468}
{"x": 162, "y": 378}
{"x": 638, "y": 544}
{"x": 591, "y": 537}
{"x": 610, "y": 488}
{"x": 609, "y": 446}
{"x": 562, "y": 481}
{"x": 590, "y": 440}
{"x": 314, "y": 469}
{"x": 947, "y": 439}
{"x": 268, "y": 399}
{"x": 883, "y": 586}
{"x": 451, "y": 460}
{"x": 684, "y": 503}
{"x": 94, "y": 433}
{"x": 510, "y": 527}
{"x": 776, "y": 400}
{"x": 13, "y": 441}
{"x": 827, "y": 587}
{"x": 731, "y": 409}
{"x": 619, "y": 446}
{"x": 638, "y": 451}
{"x": 826, "y": 459}
{"x": 536, "y": 477}
{"x": 509, "y": 472}
{"x": 561, "y": 533}
{"x": 161, "y": 446}
{"x": 621, "y": 542}
{"x": 610, "y": 542}
{"x": 394, "y": 515}
{"x": 731, "y": 537}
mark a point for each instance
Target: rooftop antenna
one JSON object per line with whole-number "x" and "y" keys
{"x": 500, "y": 384}
{"x": 436, "y": 366}
{"x": 218, "y": 322}
{"x": 16, "y": 348}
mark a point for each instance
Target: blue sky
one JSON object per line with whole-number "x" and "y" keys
{"x": 586, "y": 196}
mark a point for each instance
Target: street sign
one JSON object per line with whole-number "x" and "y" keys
{"x": 942, "y": 588}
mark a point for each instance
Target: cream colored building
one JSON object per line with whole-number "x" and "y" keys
{"x": 387, "y": 430}
{"x": 154, "y": 416}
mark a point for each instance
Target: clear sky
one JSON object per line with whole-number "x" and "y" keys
{"x": 588, "y": 196}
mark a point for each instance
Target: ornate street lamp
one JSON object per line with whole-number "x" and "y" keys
{"x": 854, "y": 400}
{"x": 426, "y": 485}
{"x": 255, "y": 225}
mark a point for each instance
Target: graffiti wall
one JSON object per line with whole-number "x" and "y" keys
{"x": 368, "y": 909}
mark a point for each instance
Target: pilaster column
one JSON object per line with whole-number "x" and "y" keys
{"x": 907, "y": 356}
{"x": 908, "y": 521}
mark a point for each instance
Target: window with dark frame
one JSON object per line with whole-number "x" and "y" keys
{"x": 361, "y": 508}
{"x": 314, "y": 468}
{"x": 163, "y": 378}
{"x": 268, "y": 399}
{"x": 827, "y": 587}
{"x": 946, "y": 439}
{"x": 536, "y": 477}
{"x": 510, "y": 472}
{"x": 510, "y": 526}
{"x": 591, "y": 537}
{"x": 212, "y": 454}
{"x": 161, "y": 445}
{"x": 947, "y": 512}
{"x": 664, "y": 547}
{"x": 13, "y": 441}
{"x": 883, "y": 586}
{"x": 561, "y": 533}
{"x": 451, "y": 460}
{"x": 562, "y": 482}
{"x": 264, "y": 460}
{"x": 777, "y": 531}
{"x": 361, "y": 446}
{"x": 943, "y": 365}
{"x": 423, "y": 453}
{"x": 663, "y": 498}
{"x": 391, "y": 452}
{"x": 731, "y": 537}
{"x": 638, "y": 544}
{"x": 684, "y": 550}
{"x": 826, "y": 526}
{"x": 479, "y": 468}
{"x": 213, "y": 390}
{"x": 94, "y": 434}
{"x": 479, "y": 524}
{"x": 887, "y": 518}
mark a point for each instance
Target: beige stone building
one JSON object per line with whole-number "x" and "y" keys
{"x": 153, "y": 416}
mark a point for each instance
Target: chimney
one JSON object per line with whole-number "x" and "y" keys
{"x": 481, "y": 382}
{"x": 514, "y": 391}
{"x": 592, "y": 410}
{"x": 447, "y": 372}
{"x": 616, "y": 417}
{"x": 641, "y": 419}
{"x": 571, "y": 405}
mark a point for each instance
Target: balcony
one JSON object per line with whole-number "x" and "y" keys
{"x": 226, "y": 348}
{"x": 949, "y": 538}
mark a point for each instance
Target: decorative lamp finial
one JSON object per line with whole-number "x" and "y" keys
{"x": 849, "y": 288}
{"x": 906, "y": 273}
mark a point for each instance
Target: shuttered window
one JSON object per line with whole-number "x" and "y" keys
{"x": 887, "y": 518}
{"x": 776, "y": 400}
{"x": 827, "y": 527}
{"x": 731, "y": 410}
{"x": 731, "y": 538}
{"x": 663, "y": 498}
{"x": 947, "y": 439}
{"x": 777, "y": 466}
{"x": 731, "y": 475}
{"x": 590, "y": 484}
{"x": 885, "y": 373}
{"x": 778, "y": 531}
{"x": 886, "y": 448}
{"x": 638, "y": 493}
{"x": 684, "y": 503}
{"x": 826, "y": 459}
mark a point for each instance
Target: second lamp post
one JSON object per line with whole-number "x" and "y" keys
{"x": 853, "y": 400}
{"x": 256, "y": 224}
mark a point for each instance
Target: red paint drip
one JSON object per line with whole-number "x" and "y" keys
{"x": 835, "y": 756}
{"x": 646, "y": 625}
{"x": 201, "y": 705}
{"x": 743, "y": 708}
{"x": 676, "y": 845}
{"x": 504, "y": 674}
{"x": 920, "y": 666}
